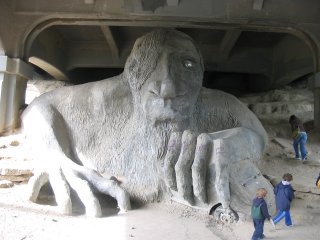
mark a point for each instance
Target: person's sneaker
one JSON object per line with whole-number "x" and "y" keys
{"x": 298, "y": 158}
{"x": 290, "y": 225}
{"x": 262, "y": 236}
{"x": 272, "y": 223}
{"x": 304, "y": 159}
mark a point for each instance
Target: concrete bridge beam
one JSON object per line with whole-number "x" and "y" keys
{"x": 14, "y": 74}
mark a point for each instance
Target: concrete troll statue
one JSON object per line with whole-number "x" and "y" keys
{"x": 153, "y": 133}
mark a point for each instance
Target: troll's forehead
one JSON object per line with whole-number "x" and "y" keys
{"x": 147, "y": 49}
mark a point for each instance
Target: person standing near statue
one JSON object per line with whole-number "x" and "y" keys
{"x": 259, "y": 213}
{"x": 284, "y": 194}
{"x": 299, "y": 137}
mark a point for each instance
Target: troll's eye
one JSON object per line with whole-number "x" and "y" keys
{"x": 187, "y": 63}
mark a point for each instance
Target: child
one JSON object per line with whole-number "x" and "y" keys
{"x": 259, "y": 213}
{"x": 318, "y": 181}
{"x": 284, "y": 196}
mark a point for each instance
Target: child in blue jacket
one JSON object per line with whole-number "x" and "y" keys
{"x": 284, "y": 195}
{"x": 259, "y": 213}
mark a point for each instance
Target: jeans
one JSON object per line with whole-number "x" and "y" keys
{"x": 258, "y": 229}
{"x": 283, "y": 214}
{"x": 301, "y": 142}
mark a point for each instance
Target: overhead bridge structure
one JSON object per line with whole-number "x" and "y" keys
{"x": 247, "y": 45}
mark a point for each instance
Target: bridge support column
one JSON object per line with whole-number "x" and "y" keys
{"x": 14, "y": 74}
{"x": 316, "y": 93}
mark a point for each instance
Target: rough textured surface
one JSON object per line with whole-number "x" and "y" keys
{"x": 150, "y": 128}
{"x": 24, "y": 220}
{"x": 37, "y": 87}
{"x": 6, "y": 184}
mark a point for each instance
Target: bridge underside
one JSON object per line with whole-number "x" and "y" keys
{"x": 247, "y": 46}
{"x": 253, "y": 60}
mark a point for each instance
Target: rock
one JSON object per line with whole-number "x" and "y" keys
{"x": 37, "y": 87}
{"x": 16, "y": 178}
{"x": 311, "y": 163}
{"x": 279, "y": 104}
{"x": 15, "y": 168}
{"x": 14, "y": 143}
{"x": 15, "y": 171}
{"x": 283, "y": 143}
{"x": 6, "y": 184}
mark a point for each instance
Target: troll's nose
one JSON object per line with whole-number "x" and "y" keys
{"x": 167, "y": 89}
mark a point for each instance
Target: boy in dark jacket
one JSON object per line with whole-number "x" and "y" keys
{"x": 259, "y": 213}
{"x": 284, "y": 196}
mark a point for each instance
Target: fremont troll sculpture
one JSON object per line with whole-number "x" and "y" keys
{"x": 150, "y": 134}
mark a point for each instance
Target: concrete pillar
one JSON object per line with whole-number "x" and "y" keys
{"x": 316, "y": 93}
{"x": 14, "y": 74}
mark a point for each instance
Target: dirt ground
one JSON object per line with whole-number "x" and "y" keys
{"x": 20, "y": 219}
